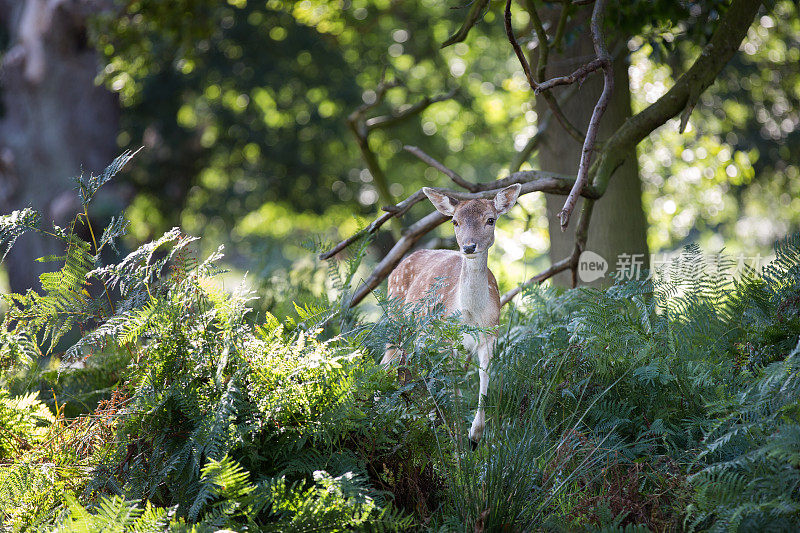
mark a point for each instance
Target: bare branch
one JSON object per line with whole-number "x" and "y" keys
{"x": 574, "y": 132}
{"x": 458, "y": 180}
{"x": 380, "y": 93}
{"x": 395, "y": 211}
{"x": 531, "y": 181}
{"x": 397, "y": 116}
{"x": 517, "y": 49}
{"x": 362, "y": 127}
{"x": 543, "y": 44}
{"x": 372, "y": 228}
{"x": 724, "y": 43}
{"x": 577, "y": 76}
{"x": 541, "y": 35}
{"x": 407, "y": 241}
{"x": 604, "y": 60}
{"x": 530, "y": 146}
{"x": 560, "y": 29}
{"x": 356, "y": 124}
{"x": 570, "y": 262}
{"x": 543, "y": 123}
{"x": 550, "y": 185}
{"x": 549, "y": 272}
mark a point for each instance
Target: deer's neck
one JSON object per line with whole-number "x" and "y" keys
{"x": 473, "y": 285}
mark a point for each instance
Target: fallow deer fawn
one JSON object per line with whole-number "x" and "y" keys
{"x": 469, "y": 286}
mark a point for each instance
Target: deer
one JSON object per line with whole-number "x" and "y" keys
{"x": 467, "y": 286}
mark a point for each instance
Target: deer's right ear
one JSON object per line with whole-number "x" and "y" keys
{"x": 443, "y": 203}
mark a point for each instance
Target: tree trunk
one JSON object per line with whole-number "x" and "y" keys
{"x": 54, "y": 120}
{"x": 618, "y": 224}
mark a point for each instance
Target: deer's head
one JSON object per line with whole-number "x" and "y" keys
{"x": 474, "y": 220}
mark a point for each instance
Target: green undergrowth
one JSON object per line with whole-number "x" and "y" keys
{"x": 140, "y": 395}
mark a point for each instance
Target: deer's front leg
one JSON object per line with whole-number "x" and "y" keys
{"x": 485, "y": 350}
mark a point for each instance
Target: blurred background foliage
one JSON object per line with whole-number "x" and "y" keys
{"x": 730, "y": 180}
{"x": 242, "y": 109}
{"x": 243, "y": 106}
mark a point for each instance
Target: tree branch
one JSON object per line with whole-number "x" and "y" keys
{"x": 543, "y": 123}
{"x": 397, "y": 116}
{"x": 541, "y": 36}
{"x": 560, "y": 29}
{"x": 526, "y": 68}
{"x": 472, "y": 17}
{"x": 570, "y": 262}
{"x": 544, "y": 47}
{"x": 362, "y": 139}
{"x": 724, "y": 43}
{"x": 531, "y": 181}
{"x": 549, "y": 272}
{"x": 414, "y": 233}
{"x": 362, "y": 127}
{"x": 458, "y": 180}
{"x": 604, "y": 61}
{"x": 578, "y": 76}
{"x": 715, "y": 55}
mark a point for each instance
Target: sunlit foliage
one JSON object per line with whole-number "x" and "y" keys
{"x": 730, "y": 180}
{"x": 663, "y": 404}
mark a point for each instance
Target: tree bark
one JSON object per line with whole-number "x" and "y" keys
{"x": 54, "y": 120}
{"x": 619, "y": 225}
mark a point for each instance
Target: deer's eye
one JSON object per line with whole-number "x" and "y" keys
{"x": 490, "y": 222}
{"x": 455, "y": 223}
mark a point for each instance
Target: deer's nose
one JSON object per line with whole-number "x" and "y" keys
{"x": 470, "y": 248}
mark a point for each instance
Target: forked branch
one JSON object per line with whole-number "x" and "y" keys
{"x": 724, "y": 43}
{"x": 526, "y": 68}
{"x": 722, "y": 46}
{"x": 578, "y": 76}
{"x": 361, "y": 126}
{"x": 531, "y": 181}
{"x": 603, "y": 61}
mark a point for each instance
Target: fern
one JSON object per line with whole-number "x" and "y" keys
{"x": 24, "y": 421}
{"x": 754, "y": 482}
{"x": 88, "y": 186}
{"x": 15, "y": 225}
{"x": 640, "y": 406}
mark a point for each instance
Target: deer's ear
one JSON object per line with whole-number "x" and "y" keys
{"x": 443, "y": 203}
{"x": 506, "y": 198}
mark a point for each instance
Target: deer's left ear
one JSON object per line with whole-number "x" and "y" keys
{"x": 506, "y": 198}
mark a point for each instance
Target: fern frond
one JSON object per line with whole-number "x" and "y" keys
{"x": 14, "y": 225}
{"x": 88, "y": 186}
